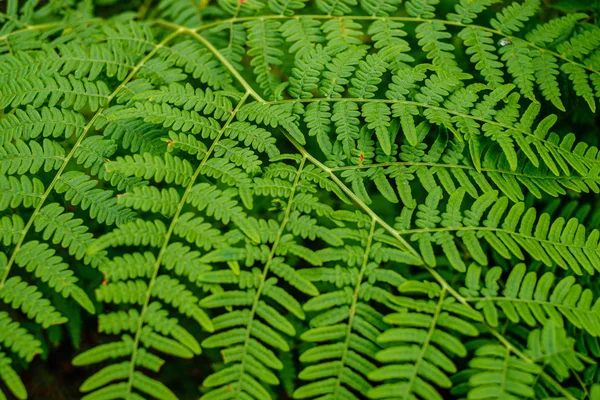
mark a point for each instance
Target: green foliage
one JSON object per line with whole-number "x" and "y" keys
{"x": 324, "y": 199}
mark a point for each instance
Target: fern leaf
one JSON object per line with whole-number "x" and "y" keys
{"x": 11, "y": 379}
{"x": 430, "y": 35}
{"x": 258, "y": 138}
{"x": 78, "y": 188}
{"x": 264, "y": 43}
{"x": 20, "y": 157}
{"x": 336, "y": 8}
{"x": 536, "y": 300}
{"x": 146, "y": 166}
{"x": 303, "y": 33}
{"x": 467, "y": 11}
{"x": 170, "y": 117}
{"x": 21, "y": 295}
{"x": 339, "y": 70}
{"x": 512, "y": 17}
{"x": 35, "y": 257}
{"x": 580, "y": 83}
{"x": 421, "y": 8}
{"x": 72, "y": 92}
{"x": 387, "y": 36}
{"x": 377, "y": 116}
{"x": 48, "y": 122}
{"x": 67, "y": 231}
{"x": 272, "y": 115}
{"x": 423, "y": 334}
{"x": 495, "y": 373}
{"x": 520, "y": 66}
{"x": 15, "y": 192}
{"x": 305, "y": 75}
{"x": 151, "y": 198}
{"x": 480, "y": 44}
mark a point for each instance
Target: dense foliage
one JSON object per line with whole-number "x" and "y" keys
{"x": 308, "y": 199}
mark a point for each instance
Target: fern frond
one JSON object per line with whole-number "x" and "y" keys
{"x": 67, "y": 231}
{"x": 187, "y": 98}
{"x": 168, "y": 168}
{"x": 21, "y": 157}
{"x": 558, "y": 27}
{"x": 557, "y": 242}
{"x": 286, "y": 7}
{"x": 17, "y": 339}
{"x": 336, "y": 8}
{"x": 170, "y": 117}
{"x": 495, "y": 373}
{"x": 11, "y": 378}
{"x": 200, "y": 63}
{"x": 303, "y": 33}
{"x": 546, "y": 69}
{"x": 70, "y": 91}
{"x": 78, "y": 188}
{"x": 49, "y": 122}
{"x": 581, "y": 84}
{"x": 467, "y": 11}
{"x": 388, "y": 39}
{"x": 512, "y": 17}
{"x": 136, "y": 135}
{"x": 520, "y": 66}
{"x": 272, "y": 115}
{"x": 21, "y": 295}
{"x": 264, "y": 46}
{"x": 151, "y": 198}
{"x": 533, "y": 300}
{"x": 137, "y": 232}
{"x": 479, "y": 43}
{"x": 256, "y": 137}
{"x": 15, "y": 192}
{"x": 421, "y": 8}
{"x": 430, "y": 35}
{"x": 339, "y": 70}
{"x": 199, "y": 232}
{"x": 334, "y": 197}
{"x": 306, "y": 72}
{"x": 421, "y": 344}
{"x": 37, "y": 258}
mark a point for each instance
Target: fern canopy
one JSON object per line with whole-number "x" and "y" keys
{"x": 307, "y": 199}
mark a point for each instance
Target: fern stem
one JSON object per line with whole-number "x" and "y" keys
{"x": 13, "y": 19}
{"x": 405, "y": 164}
{"x": 456, "y": 166}
{"x": 354, "y": 198}
{"x": 165, "y": 243}
{"x": 84, "y": 133}
{"x": 447, "y": 287}
{"x": 30, "y": 28}
{"x": 509, "y": 345}
{"x": 505, "y": 370}
{"x": 557, "y": 386}
{"x": 225, "y": 63}
{"x": 355, "y": 295}
{"x": 586, "y": 393}
{"x": 265, "y": 271}
{"x": 445, "y": 110}
{"x": 532, "y": 301}
{"x": 375, "y": 18}
{"x": 430, "y": 332}
{"x": 488, "y": 229}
